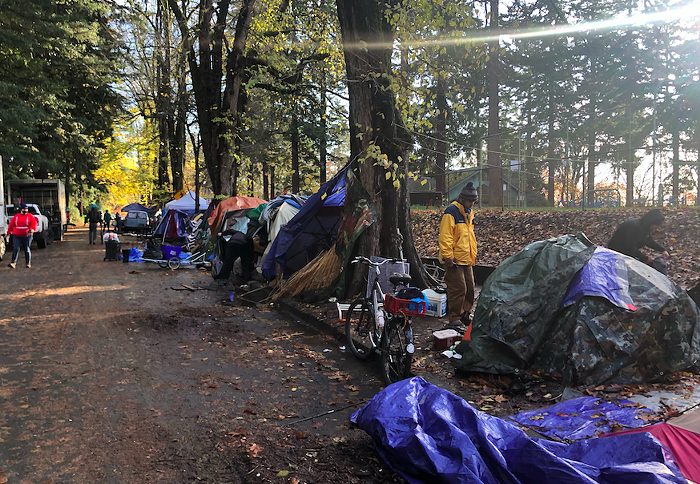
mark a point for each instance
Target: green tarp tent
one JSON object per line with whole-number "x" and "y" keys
{"x": 629, "y": 323}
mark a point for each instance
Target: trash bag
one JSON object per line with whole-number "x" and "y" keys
{"x": 216, "y": 265}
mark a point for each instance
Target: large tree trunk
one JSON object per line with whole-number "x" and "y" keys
{"x": 179, "y": 126}
{"x": 163, "y": 105}
{"x": 323, "y": 142}
{"x": 218, "y": 109}
{"x": 377, "y": 138}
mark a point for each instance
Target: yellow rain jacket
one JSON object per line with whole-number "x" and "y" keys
{"x": 457, "y": 239}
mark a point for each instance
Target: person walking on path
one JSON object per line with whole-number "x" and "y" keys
{"x": 107, "y": 219}
{"x": 22, "y": 228}
{"x": 633, "y": 234}
{"x": 458, "y": 254}
{"x": 94, "y": 218}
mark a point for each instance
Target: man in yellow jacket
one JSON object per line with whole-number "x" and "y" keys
{"x": 458, "y": 254}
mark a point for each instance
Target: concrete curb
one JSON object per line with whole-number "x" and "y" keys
{"x": 307, "y": 319}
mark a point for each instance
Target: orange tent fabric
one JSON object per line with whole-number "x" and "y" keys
{"x": 230, "y": 205}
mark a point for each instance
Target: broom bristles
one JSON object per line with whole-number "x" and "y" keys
{"x": 317, "y": 274}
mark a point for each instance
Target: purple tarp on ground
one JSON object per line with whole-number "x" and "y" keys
{"x": 429, "y": 435}
{"x": 581, "y": 418}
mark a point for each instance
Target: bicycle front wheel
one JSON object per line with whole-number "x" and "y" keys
{"x": 397, "y": 350}
{"x": 359, "y": 329}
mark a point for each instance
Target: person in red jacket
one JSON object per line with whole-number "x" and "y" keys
{"x": 22, "y": 228}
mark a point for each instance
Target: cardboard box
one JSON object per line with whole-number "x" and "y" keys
{"x": 445, "y": 338}
{"x": 437, "y": 304}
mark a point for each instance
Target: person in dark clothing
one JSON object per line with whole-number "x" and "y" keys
{"x": 118, "y": 222}
{"x": 238, "y": 245}
{"x": 631, "y": 235}
{"x": 94, "y": 217}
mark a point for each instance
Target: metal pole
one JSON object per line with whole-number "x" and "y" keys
{"x": 653, "y": 150}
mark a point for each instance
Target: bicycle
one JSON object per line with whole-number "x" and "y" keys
{"x": 382, "y": 322}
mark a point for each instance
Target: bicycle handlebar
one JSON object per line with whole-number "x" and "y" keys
{"x": 367, "y": 261}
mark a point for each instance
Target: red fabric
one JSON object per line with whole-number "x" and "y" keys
{"x": 683, "y": 444}
{"x": 229, "y": 205}
{"x": 172, "y": 226}
{"x": 21, "y": 224}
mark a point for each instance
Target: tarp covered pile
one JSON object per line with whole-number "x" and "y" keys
{"x": 311, "y": 231}
{"x": 569, "y": 307}
{"x": 428, "y": 435}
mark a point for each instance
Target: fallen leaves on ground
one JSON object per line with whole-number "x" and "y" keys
{"x": 500, "y": 234}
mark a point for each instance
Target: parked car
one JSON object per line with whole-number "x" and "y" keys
{"x": 137, "y": 221}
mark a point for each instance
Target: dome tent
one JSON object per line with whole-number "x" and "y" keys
{"x": 592, "y": 315}
{"x": 186, "y": 204}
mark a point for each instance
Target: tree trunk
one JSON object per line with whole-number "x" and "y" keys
{"x": 295, "y": 151}
{"x": 592, "y": 154}
{"x": 675, "y": 191}
{"x": 441, "y": 132}
{"x": 218, "y": 109}
{"x": 378, "y": 140}
{"x": 266, "y": 181}
{"x": 323, "y": 148}
{"x": 630, "y": 163}
{"x": 552, "y": 163}
{"x": 163, "y": 106}
{"x": 177, "y": 143}
{"x": 495, "y": 170}
{"x": 273, "y": 192}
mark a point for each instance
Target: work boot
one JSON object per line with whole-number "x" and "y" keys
{"x": 29, "y": 265}
{"x": 12, "y": 265}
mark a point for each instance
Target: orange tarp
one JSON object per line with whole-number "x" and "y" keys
{"x": 230, "y": 205}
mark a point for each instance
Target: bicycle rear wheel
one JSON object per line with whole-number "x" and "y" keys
{"x": 397, "y": 349}
{"x": 359, "y": 329}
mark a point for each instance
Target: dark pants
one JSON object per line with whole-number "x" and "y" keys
{"x": 460, "y": 291}
{"x": 234, "y": 250}
{"x": 93, "y": 233}
{"x": 23, "y": 243}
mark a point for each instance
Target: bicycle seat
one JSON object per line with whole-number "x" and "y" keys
{"x": 398, "y": 278}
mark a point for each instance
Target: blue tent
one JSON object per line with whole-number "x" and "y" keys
{"x": 173, "y": 227}
{"x": 311, "y": 231}
{"x": 135, "y": 207}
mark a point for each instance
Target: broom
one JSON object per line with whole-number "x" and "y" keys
{"x": 317, "y": 274}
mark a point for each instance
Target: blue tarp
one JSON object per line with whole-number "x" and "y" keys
{"x": 428, "y": 435}
{"x": 604, "y": 275}
{"x": 135, "y": 207}
{"x": 311, "y": 231}
{"x": 584, "y": 417}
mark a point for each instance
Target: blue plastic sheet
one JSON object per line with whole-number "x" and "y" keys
{"x": 584, "y": 417}
{"x": 429, "y": 435}
{"x": 604, "y": 275}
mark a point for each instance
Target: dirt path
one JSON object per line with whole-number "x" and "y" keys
{"x": 116, "y": 373}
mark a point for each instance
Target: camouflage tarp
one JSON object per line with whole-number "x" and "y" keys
{"x": 520, "y": 324}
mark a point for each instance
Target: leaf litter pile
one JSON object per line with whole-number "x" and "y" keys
{"x": 500, "y": 234}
